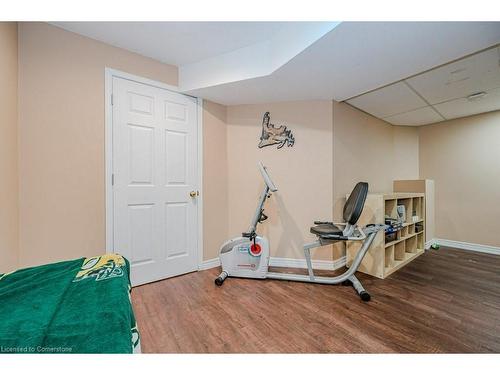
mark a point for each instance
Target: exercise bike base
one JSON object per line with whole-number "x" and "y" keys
{"x": 220, "y": 279}
{"x": 365, "y": 296}
{"x": 342, "y": 279}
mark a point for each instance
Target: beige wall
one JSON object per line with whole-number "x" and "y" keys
{"x": 368, "y": 149}
{"x": 303, "y": 173}
{"x": 405, "y": 153}
{"x": 371, "y": 150}
{"x": 61, "y": 139}
{"x": 362, "y": 151}
{"x": 8, "y": 147}
{"x": 215, "y": 184}
{"x": 463, "y": 158}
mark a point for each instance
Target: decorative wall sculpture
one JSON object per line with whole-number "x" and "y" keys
{"x": 272, "y": 135}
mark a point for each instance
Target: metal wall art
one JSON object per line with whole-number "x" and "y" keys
{"x": 272, "y": 135}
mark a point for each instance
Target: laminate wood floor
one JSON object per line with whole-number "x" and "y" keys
{"x": 446, "y": 300}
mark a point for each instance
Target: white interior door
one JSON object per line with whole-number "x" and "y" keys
{"x": 155, "y": 175}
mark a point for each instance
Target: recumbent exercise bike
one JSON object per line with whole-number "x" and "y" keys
{"x": 248, "y": 255}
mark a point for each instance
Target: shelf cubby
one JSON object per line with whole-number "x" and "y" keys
{"x": 403, "y": 232}
{"x": 407, "y": 203}
{"x": 420, "y": 240}
{"x": 411, "y": 244}
{"x": 390, "y": 208}
{"x": 399, "y": 250}
{"x": 389, "y": 256}
{"x": 411, "y": 229}
{"x": 417, "y": 207}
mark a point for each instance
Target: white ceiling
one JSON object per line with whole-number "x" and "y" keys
{"x": 366, "y": 64}
{"x": 178, "y": 43}
{"x": 357, "y": 57}
{"x": 438, "y": 94}
{"x": 420, "y": 116}
{"x": 463, "y": 107}
{"x": 389, "y": 100}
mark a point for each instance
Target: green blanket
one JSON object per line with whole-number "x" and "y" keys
{"x": 77, "y": 306}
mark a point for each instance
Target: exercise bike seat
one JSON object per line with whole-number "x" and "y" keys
{"x": 326, "y": 229}
{"x": 352, "y": 212}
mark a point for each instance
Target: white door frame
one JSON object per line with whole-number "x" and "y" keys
{"x": 109, "y": 73}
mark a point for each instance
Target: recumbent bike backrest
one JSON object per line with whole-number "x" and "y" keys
{"x": 355, "y": 203}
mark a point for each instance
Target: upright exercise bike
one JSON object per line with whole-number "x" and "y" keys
{"x": 248, "y": 255}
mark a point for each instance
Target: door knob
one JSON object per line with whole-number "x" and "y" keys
{"x": 193, "y": 193}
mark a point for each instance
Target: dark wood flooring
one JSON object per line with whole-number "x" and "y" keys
{"x": 445, "y": 301}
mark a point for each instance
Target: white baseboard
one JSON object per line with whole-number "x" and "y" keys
{"x": 207, "y": 264}
{"x": 468, "y": 246}
{"x": 429, "y": 243}
{"x": 286, "y": 262}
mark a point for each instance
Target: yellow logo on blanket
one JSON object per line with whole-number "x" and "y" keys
{"x": 101, "y": 268}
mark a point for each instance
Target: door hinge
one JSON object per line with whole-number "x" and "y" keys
{"x": 113, "y": 179}
{"x": 112, "y": 101}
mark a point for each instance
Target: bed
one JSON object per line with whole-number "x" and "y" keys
{"x": 76, "y": 306}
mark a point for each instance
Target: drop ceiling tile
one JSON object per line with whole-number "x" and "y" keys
{"x": 463, "y": 107}
{"x": 479, "y": 72}
{"x": 388, "y": 101}
{"x": 421, "y": 116}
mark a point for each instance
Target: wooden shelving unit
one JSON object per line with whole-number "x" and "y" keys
{"x": 426, "y": 187}
{"x": 385, "y": 258}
